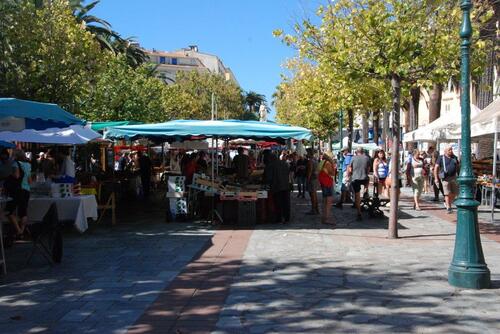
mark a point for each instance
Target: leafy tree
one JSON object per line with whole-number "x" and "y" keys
{"x": 253, "y": 101}
{"x": 46, "y": 55}
{"x": 398, "y": 41}
{"x": 108, "y": 38}
{"x": 124, "y": 93}
{"x": 191, "y": 97}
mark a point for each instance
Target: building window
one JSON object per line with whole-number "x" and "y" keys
{"x": 174, "y": 61}
{"x": 162, "y": 60}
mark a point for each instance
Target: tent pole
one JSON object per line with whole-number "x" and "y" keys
{"x": 212, "y": 198}
{"x": 493, "y": 182}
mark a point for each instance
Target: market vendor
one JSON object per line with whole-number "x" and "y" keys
{"x": 241, "y": 164}
{"x": 67, "y": 171}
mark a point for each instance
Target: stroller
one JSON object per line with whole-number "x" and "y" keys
{"x": 373, "y": 203}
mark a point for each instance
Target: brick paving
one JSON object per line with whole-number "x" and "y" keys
{"x": 193, "y": 300}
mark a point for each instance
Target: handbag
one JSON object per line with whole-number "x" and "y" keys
{"x": 442, "y": 173}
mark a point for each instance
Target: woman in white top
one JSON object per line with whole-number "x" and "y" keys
{"x": 380, "y": 172}
{"x": 415, "y": 174}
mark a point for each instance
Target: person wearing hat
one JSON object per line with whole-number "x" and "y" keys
{"x": 346, "y": 180}
{"x": 326, "y": 177}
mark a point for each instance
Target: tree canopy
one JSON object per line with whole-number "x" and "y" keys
{"x": 191, "y": 97}
{"x": 396, "y": 42}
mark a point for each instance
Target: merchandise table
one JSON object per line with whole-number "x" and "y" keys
{"x": 76, "y": 209}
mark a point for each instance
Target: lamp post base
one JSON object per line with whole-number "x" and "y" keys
{"x": 467, "y": 277}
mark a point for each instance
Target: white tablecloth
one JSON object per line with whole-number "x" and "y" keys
{"x": 76, "y": 209}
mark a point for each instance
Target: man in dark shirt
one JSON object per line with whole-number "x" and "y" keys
{"x": 446, "y": 170}
{"x": 434, "y": 155}
{"x": 276, "y": 175}
{"x": 145, "y": 169}
{"x": 241, "y": 164}
{"x": 360, "y": 167}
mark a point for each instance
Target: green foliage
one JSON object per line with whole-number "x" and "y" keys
{"x": 191, "y": 97}
{"x": 359, "y": 45}
{"x": 124, "y": 93}
{"x": 253, "y": 101}
{"x": 46, "y": 55}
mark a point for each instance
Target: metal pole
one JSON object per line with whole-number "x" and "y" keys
{"x": 468, "y": 268}
{"x": 493, "y": 182}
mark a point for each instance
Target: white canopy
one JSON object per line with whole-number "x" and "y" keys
{"x": 445, "y": 128}
{"x": 487, "y": 122}
{"x": 72, "y": 135}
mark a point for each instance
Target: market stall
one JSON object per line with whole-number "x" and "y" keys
{"x": 234, "y": 198}
{"x": 486, "y": 125}
{"x": 44, "y": 123}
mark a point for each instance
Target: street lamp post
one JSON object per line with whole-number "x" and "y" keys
{"x": 341, "y": 156}
{"x": 468, "y": 268}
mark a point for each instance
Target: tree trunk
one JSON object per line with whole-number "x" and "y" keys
{"x": 406, "y": 115}
{"x": 396, "y": 98}
{"x": 364, "y": 127}
{"x": 376, "y": 123}
{"x": 435, "y": 102}
{"x": 350, "y": 129}
{"x": 385, "y": 130}
{"x": 414, "y": 102}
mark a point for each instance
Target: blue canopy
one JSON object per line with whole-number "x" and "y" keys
{"x": 6, "y": 144}
{"x": 227, "y": 129}
{"x": 35, "y": 115}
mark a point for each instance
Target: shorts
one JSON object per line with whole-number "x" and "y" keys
{"x": 356, "y": 185}
{"x": 20, "y": 202}
{"x": 381, "y": 180}
{"x": 327, "y": 191}
{"x": 450, "y": 186}
{"x": 313, "y": 185}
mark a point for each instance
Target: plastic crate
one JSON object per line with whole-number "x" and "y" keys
{"x": 247, "y": 213}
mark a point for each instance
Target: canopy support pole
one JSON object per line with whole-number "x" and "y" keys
{"x": 493, "y": 182}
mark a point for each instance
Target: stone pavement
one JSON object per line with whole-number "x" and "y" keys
{"x": 306, "y": 277}
{"x": 302, "y": 277}
{"x": 106, "y": 281}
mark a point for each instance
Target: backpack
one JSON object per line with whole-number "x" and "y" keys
{"x": 13, "y": 184}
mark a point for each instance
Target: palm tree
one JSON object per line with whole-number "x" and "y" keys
{"x": 130, "y": 48}
{"x": 253, "y": 101}
{"x": 100, "y": 28}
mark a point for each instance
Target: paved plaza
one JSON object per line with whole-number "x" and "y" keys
{"x": 305, "y": 277}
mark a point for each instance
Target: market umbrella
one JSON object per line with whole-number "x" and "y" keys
{"x": 6, "y": 144}
{"x": 227, "y": 129}
{"x": 17, "y": 115}
{"x": 101, "y": 126}
{"x": 72, "y": 135}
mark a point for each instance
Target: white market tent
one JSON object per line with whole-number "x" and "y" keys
{"x": 487, "y": 124}
{"x": 445, "y": 128}
{"x": 72, "y": 135}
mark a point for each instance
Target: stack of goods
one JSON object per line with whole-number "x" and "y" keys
{"x": 175, "y": 193}
{"x": 205, "y": 183}
{"x": 484, "y": 167}
{"x": 61, "y": 190}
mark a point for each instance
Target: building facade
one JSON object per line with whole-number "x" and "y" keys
{"x": 169, "y": 63}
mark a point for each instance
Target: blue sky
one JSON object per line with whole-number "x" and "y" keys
{"x": 238, "y": 31}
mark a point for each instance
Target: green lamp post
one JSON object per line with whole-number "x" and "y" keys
{"x": 468, "y": 268}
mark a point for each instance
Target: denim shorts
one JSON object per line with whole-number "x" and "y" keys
{"x": 327, "y": 191}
